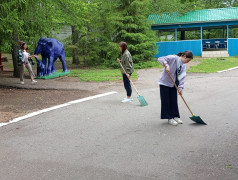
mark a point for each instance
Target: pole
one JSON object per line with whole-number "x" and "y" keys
{"x": 176, "y": 34}
{"x": 201, "y": 39}
{"x": 227, "y": 37}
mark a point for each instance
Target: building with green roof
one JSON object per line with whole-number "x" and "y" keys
{"x": 210, "y": 30}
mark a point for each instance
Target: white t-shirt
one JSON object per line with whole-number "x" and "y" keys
{"x": 25, "y": 56}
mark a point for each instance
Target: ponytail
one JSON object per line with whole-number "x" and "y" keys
{"x": 188, "y": 54}
{"x": 180, "y": 54}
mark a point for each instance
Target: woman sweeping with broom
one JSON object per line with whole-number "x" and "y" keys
{"x": 126, "y": 70}
{"x": 175, "y": 65}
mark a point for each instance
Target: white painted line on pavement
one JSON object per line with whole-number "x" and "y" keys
{"x": 56, "y": 107}
{"x": 91, "y": 97}
{"x": 228, "y": 69}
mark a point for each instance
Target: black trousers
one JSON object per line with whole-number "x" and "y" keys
{"x": 169, "y": 102}
{"x": 127, "y": 85}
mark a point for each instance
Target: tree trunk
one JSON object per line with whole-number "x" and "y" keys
{"x": 75, "y": 39}
{"x": 15, "y": 49}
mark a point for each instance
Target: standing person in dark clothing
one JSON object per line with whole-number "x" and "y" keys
{"x": 175, "y": 65}
{"x": 127, "y": 63}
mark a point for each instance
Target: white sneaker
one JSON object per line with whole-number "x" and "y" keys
{"x": 126, "y": 100}
{"x": 21, "y": 82}
{"x": 172, "y": 122}
{"x": 178, "y": 120}
{"x": 33, "y": 82}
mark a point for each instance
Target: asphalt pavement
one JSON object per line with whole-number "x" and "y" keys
{"x": 105, "y": 139}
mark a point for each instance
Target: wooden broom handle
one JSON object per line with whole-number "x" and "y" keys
{"x": 178, "y": 90}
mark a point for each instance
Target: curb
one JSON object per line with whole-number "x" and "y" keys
{"x": 228, "y": 69}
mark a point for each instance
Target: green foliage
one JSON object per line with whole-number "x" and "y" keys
{"x": 97, "y": 25}
{"x": 109, "y": 23}
{"x": 233, "y": 32}
{"x": 29, "y": 20}
{"x": 165, "y": 6}
{"x": 205, "y": 4}
{"x": 25, "y": 20}
{"x": 133, "y": 28}
{"x": 195, "y": 34}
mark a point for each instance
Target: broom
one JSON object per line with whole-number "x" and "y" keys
{"x": 194, "y": 118}
{"x": 139, "y": 97}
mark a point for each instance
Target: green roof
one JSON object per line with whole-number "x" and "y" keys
{"x": 199, "y": 16}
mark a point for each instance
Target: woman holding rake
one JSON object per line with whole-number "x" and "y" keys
{"x": 127, "y": 63}
{"x": 175, "y": 65}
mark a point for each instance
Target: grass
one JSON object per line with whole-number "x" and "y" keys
{"x": 99, "y": 75}
{"x": 147, "y": 65}
{"x": 213, "y": 65}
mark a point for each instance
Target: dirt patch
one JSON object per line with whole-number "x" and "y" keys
{"x": 67, "y": 79}
{"x": 192, "y": 63}
{"x": 18, "y": 102}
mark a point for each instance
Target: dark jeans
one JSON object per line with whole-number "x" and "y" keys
{"x": 169, "y": 102}
{"x": 127, "y": 84}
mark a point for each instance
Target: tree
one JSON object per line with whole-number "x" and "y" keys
{"x": 97, "y": 25}
{"x": 100, "y": 34}
{"x": 75, "y": 13}
{"x": 108, "y": 23}
{"x": 132, "y": 27}
{"x": 25, "y": 20}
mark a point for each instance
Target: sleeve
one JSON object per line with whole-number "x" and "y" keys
{"x": 165, "y": 60}
{"x": 181, "y": 78}
{"x": 20, "y": 57}
{"x": 128, "y": 64}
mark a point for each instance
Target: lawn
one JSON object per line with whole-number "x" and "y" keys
{"x": 213, "y": 65}
{"x": 99, "y": 75}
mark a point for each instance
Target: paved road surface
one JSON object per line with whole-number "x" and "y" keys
{"x": 104, "y": 139}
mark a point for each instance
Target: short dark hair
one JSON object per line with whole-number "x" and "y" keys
{"x": 188, "y": 54}
{"x": 123, "y": 45}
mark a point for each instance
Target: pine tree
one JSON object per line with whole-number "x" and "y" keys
{"x": 133, "y": 28}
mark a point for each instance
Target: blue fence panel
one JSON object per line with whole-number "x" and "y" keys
{"x": 232, "y": 46}
{"x": 173, "y": 47}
